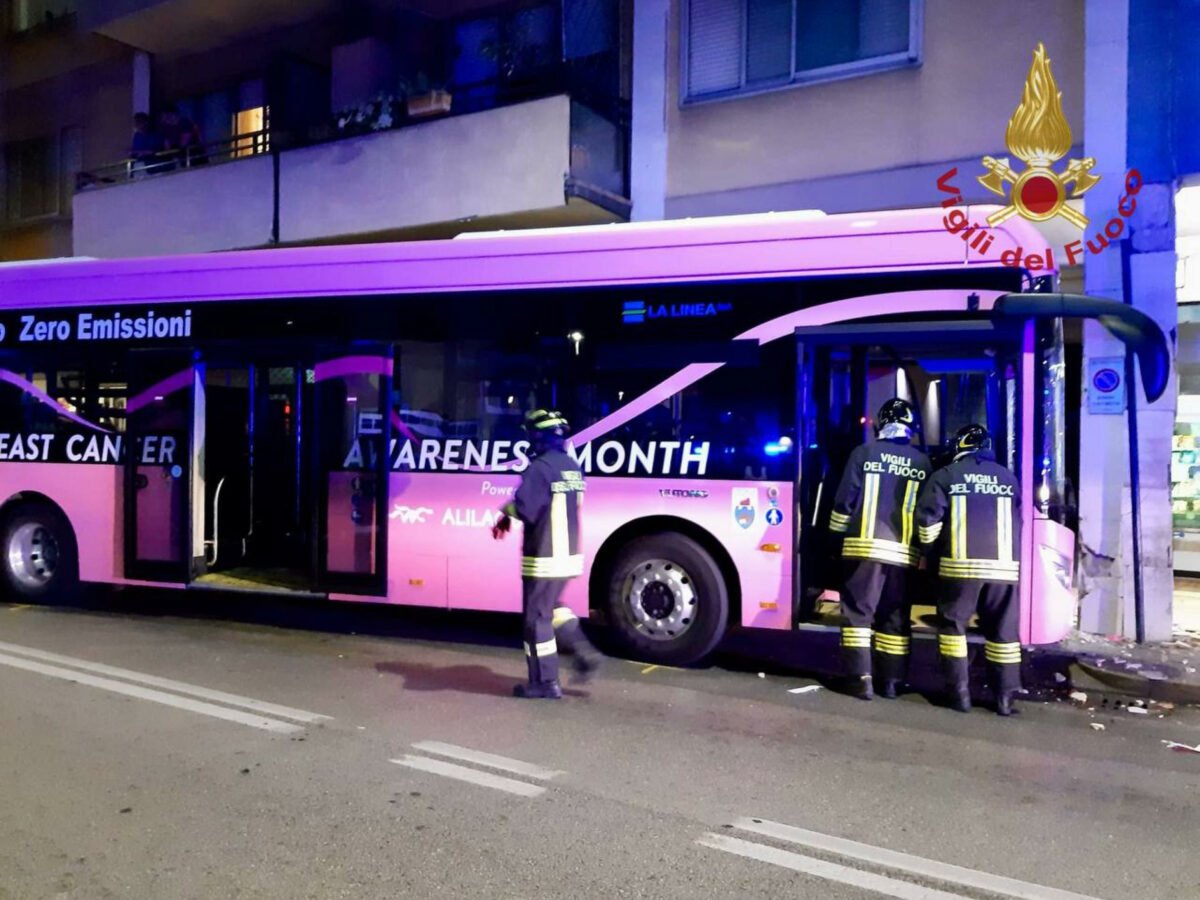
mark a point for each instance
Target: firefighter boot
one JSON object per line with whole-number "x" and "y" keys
{"x": 585, "y": 664}
{"x": 539, "y": 690}
{"x": 890, "y": 689}
{"x": 960, "y": 698}
{"x": 861, "y": 687}
{"x": 1004, "y": 703}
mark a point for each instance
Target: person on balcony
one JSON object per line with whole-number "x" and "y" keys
{"x": 142, "y": 146}
{"x": 191, "y": 142}
{"x": 170, "y": 138}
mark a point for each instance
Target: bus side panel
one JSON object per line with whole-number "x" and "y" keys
{"x": 737, "y": 514}
{"x": 91, "y": 498}
{"x": 441, "y": 552}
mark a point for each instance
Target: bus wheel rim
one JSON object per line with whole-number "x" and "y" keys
{"x": 32, "y": 554}
{"x": 661, "y": 599}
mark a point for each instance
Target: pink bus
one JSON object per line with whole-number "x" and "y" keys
{"x": 344, "y": 421}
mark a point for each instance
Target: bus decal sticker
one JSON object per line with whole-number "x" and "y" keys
{"x": 108, "y": 447}
{"x": 824, "y": 314}
{"x": 42, "y": 397}
{"x": 410, "y": 515}
{"x": 677, "y": 458}
{"x": 352, "y": 365}
{"x": 179, "y": 381}
{"x": 117, "y": 327}
{"x": 745, "y": 506}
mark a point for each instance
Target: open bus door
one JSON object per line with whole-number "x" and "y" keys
{"x": 291, "y": 488}
{"x": 352, "y": 443}
{"x": 953, "y": 373}
{"x": 160, "y": 418}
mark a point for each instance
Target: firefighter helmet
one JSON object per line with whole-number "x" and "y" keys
{"x": 545, "y": 424}
{"x": 971, "y": 438}
{"x": 896, "y": 411}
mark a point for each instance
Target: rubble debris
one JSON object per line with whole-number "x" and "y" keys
{"x": 807, "y": 689}
{"x": 1138, "y": 709}
{"x": 1182, "y": 748}
{"x": 1060, "y": 677}
{"x": 1078, "y": 696}
{"x": 762, "y": 674}
{"x": 1097, "y": 726}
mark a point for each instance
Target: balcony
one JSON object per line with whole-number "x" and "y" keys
{"x": 544, "y": 162}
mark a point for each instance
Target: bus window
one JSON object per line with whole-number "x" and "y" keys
{"x": 737, "y": 422}
{"x": 1052, "y": 496}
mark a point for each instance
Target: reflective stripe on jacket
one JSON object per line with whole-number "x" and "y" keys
{"x": 970, "y": 513}
{"x": 877, "y": 500}
{"x": 548, "y": 503}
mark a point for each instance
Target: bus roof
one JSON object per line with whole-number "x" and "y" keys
{"x": 764, "y": 246}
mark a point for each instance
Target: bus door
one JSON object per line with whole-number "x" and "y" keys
{"x": 953, "y": 373}
{"x": 253, "y": 501}
{"x": 351, "y": 433}
{"x": 158, "y": 448}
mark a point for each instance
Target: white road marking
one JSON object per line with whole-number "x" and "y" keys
{"x": 797, "y": 862}
{"x": 491, "y": 760}
{"x": 474, "y": 776}
{"x": 904, "y": 862}
{"x": 178, "y": 687}
{"x": 143, "y": 693}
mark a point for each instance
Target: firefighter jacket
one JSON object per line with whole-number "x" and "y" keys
{"x": 547, "y": 504}
{"x": 876, "y": 500}
{"x": 969, "y": 511}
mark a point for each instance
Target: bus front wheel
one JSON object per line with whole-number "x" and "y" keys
{"x": 38, "y": 562}
{"x": 667, "y": 599}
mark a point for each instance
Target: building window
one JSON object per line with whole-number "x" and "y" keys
{"x": 251, "y": 131}
{"x": 737, "y": 47}
{"x": 29, "y": 14}
{"x": 31, "y": 183}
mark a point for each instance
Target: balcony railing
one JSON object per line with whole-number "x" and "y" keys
{"x": 599, "y": 118}
{"x": 227, "y": 150}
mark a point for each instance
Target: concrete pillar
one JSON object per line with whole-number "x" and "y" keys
{"x": 648, "y": 138}
{"x": 1107, "y": 582}
{"x": 141, "y": 82}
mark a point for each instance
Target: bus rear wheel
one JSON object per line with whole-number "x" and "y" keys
{"x": 667, "y": 601}
{"x": 38, "y": 559}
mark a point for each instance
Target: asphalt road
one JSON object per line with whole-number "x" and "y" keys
{"x": 155, "y": 749}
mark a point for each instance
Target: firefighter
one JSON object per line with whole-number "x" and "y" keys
{"x": 969, "y": 512}
{"x": 547, "y": 503}
{"x": 874, "y": 509}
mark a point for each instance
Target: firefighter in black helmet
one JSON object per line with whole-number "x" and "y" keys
{"x": 547, "y": 503}
{"x": 874, "y": 509}
{"x": 969, "y": 511}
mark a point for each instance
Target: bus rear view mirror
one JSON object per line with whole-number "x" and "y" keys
{"x": 1131, "y": 326}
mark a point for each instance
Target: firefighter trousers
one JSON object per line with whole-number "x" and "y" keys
{"x": 999, "y": 620}
{"x": 548, "y": 626}
{"x": 875, "y": 602}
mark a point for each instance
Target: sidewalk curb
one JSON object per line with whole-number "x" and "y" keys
{"x": 1161, "y": 689}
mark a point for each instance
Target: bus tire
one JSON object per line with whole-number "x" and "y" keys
{"x": 667, "y": 601}
{"x": 39, "y": 560}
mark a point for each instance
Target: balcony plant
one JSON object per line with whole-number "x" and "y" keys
{"x": 425, "y": 97}
{"x": 380, "y": 114}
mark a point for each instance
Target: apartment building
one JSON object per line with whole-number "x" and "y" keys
{"x": 312, "y": 121}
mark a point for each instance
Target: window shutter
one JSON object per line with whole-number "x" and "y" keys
{"x": 883, "y": 28}
{"x": 714, "y": 59}
{"x": 768, "y": 39}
